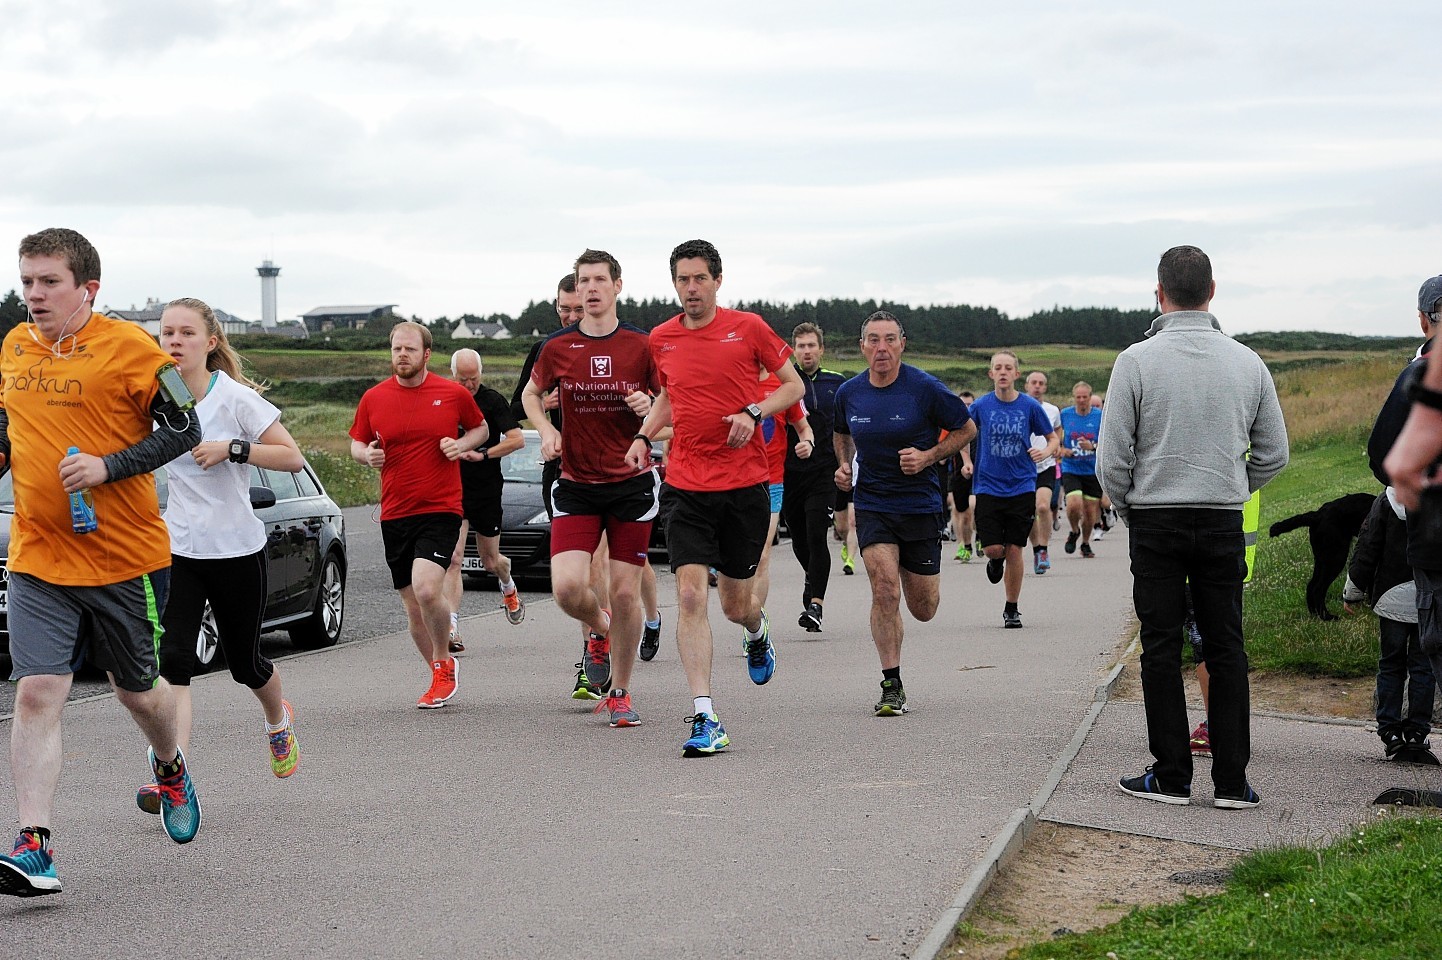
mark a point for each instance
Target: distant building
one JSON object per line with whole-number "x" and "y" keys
{"x": 479, "y": 330}
{"x": 149, "y": 317}
{"x": 322, "y": 319}
{"x": 291, "y": 329}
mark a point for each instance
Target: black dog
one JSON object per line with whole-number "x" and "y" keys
{"x": 1331, "y": 529}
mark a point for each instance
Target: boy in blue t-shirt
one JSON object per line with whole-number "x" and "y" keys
{"x": 1005, "y": 480}
{"x": 1080, "y": 427}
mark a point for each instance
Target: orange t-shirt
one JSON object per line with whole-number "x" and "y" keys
{"x": 98, "y": 399}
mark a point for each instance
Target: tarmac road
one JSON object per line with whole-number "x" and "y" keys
{"x": 515, "y": 823}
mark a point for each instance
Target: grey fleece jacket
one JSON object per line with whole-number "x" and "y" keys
{"x": 1182, "y": 410}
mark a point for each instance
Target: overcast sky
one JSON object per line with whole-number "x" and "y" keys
{"x": 456, "y": 157}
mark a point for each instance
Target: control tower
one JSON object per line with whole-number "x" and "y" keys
{"x": 268, "y": 272}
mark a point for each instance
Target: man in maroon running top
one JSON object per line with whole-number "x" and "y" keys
{"x": 708, "y": 359}
{"x": 406, "y": 427}
{"x": 603, "y": 371}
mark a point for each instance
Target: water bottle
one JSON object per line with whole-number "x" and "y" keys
{"x": 82, "y": 507}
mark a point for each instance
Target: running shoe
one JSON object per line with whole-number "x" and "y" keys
{"x": 284, "y": 751}
{"x": 1147, "y": 787}
{"x": 810, "y": 618}
{"x": 847, "y": 567}
{"x": 1099, "y": 533}
{"x": 1011, "y": 619}
{"x": 994, "y": 570}
{"x": 963, "y": 553}
{"x": 179, "y": 805}
{"x": 619, "y": 703}
{"x": 760, "y": 654}
{"x": 651, "y": 640}
{"x": 711, "y": 576}
{"x": 29, "y": 871}
{"x": 1201, "y": 741}
{"x": 515, "y": 608}
{"x": 1071, "y": 540}
{"x": 1043, "y": 562}
{"x": 1243, "y": 799}
{"x": 707, "y": 736}
{"x": 1055, "y": 521}
{"x": 147, "y": 798}
{"x": 585, "y": 690}
{"x": 443, "y": 684}
{"x": 598, "y": 658}
{"x": 1087, "y": 552}
{"x": 893, "y": 699}
{"x": 455, "y": 646}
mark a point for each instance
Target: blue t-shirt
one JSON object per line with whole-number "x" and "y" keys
{"x": 1080, "y": 426}
{"x": 909, "y": 412}
{"x": 1004, "y": 467}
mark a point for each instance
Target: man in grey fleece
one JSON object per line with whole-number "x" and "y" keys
{"x": 1192, "y": 427}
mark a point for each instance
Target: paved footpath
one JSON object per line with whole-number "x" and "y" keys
{"x": 514, "y": 823}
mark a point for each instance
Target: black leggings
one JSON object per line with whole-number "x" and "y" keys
{"x": 236, "y": 588}
{"x": 807, "y": 504}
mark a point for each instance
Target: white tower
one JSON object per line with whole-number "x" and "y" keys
{"x": 268, "y": 272}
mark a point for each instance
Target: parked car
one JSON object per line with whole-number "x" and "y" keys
{"x": 305, "y": 555}
{"x": 525, "y": 528}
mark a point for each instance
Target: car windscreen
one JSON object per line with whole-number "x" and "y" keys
{"x": 524, "y": 466}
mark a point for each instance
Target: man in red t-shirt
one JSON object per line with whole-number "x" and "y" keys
{"x": 708, "y": 359}
{"x": 603, "y": 371}
{"x": 406, "y": 428}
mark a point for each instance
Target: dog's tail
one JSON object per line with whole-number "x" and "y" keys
{"x": 1293, "y": 523}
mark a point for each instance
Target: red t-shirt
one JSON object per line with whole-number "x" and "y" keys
{"x": 708, "y": 374}
{"x": 594, "y": 375}
{"x": 410, "y": 422}
{"x": 777, "y": 445}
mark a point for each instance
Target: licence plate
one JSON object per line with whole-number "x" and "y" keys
{"x": 471, "y": 563}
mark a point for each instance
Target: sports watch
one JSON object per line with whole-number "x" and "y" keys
{"x": 239, "y": 451}
{"x": 755, "y": 410}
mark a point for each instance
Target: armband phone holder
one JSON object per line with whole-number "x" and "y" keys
{"x": 172, "y": 385}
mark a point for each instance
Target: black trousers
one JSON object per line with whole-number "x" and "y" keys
{"x": 1170, "y": 548}
{"x": 807, "y": 504}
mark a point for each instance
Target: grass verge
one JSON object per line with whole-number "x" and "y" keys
{"x": 1369, "y": 896}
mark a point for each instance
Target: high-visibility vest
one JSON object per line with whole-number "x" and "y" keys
{"x": 1251, "y": 521}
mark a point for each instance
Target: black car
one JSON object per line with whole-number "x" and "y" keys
{"x": 525, "y": 528}
{"x": 305, "y": 557}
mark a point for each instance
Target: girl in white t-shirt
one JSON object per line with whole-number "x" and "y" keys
{"x": 217, "y": 543}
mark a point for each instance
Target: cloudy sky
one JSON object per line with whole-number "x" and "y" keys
{"x": 455, "y": 157}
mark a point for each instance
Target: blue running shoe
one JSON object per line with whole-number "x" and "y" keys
{"x": 179, "y": 806}
{"x": 760, "y": 654}
{"x": 29, "y": 871}
{"x": 707, "y": 736}
{"x": 1147, "y": 787}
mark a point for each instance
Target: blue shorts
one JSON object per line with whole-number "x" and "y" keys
{"x": 775, "y": 490}
{"x": 917, "y": 537}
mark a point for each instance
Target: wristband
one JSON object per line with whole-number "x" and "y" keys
{"x": 239, "y": 451}
{"x": 640, "y": 436}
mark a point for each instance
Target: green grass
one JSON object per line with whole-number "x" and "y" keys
{"x": 1281, "y": 635}
{"x": 1372, "y": 895}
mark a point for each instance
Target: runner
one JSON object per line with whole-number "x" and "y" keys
{"x": 808, "y": 499}
{"x": 963, "y": 513}
{"x": 1081, "y": 424}
{"x": 481, "y": 488}
{"x": 1005, "y": 479}
{"x": 889, "y": 418}
{"x": 406, "y": 428}
{"x": 95, "y": 596}
{"x": 716, "y": 478}
{"x": 1046, "y": 475}
{"x": 776, "y": 432}
{"x": 217, "y": 543}
{"x": 602, "y": 371}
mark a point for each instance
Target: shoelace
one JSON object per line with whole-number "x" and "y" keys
{"x": 698, "y": 724}
{"x": 614, "y": 704}
{"x": 597, "y": 649}
{"x": 280, "y": 742}
{"x": 172, "y": 789}
{"x": 756, "y": 650}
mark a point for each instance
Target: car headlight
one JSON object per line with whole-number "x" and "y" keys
{"x": 539, "y": 519}
{"x": 339, "y": 521}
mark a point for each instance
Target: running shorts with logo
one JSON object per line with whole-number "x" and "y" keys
{"x": 425, "y": 536}
{"x": 725, "y": 529}
{"x": 917, "y": 537}
{"x": 624, "y": 510}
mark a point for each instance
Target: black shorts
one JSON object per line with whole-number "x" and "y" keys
{"x": 1004, "y": 520}
{"x": 425, "y": 536}
{"x": 550, "y": 473}
{"x": 481, "y": 508}
{"x": 917, "y": 536}
{"x": 960, "y": 490}
{"x": 724, "y": 529}
{"x": 1046, "y": 479}
{"x": 1085, "y": 484}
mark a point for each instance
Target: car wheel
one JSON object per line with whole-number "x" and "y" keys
{"x": 207, "y": 644}
{"x": 322, "y": 627}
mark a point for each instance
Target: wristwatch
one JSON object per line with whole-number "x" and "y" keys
{"x": 239, "y": 451}
{"x": 755, "y": 410}
{"x": 485, "y": 453}
{"x": 1420, "y": 394}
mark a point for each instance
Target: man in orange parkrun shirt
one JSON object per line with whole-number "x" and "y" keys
{"x": 708, "y": 359}
{"x": 76, "y": 379}
{"x": 603, "y": 371}
{"x": 406, "y": 427}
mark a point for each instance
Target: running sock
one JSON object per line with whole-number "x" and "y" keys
{"x": 1036, "y": 550}
{"x": 754, "y": 634}
{"x": 1010, "y": 607}
{"x": 703, "y": 705}
{"x": 656, "y": 623}
{"x": 278, "y": 727}
{"x": 509, "y": 587}
{"x": 170, "y": 768}
{"x": 891, "y": 673}
{"x": 41, "y": 833}
{"x": 618, "y": 691}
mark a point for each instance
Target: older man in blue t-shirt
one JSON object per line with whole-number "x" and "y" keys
{"x": 891, "y": 419}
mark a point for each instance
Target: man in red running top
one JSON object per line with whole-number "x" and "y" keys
{"x": 708, "y": 359}
{"x": 406, "y": 427}
{"x": 603, "y": 371}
